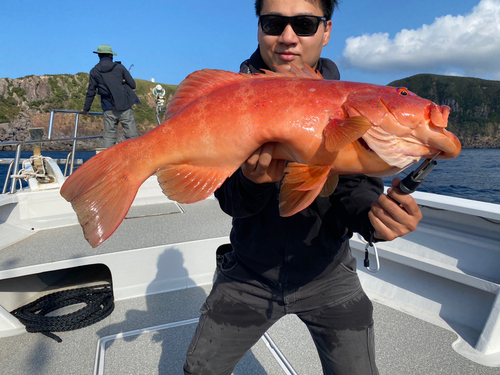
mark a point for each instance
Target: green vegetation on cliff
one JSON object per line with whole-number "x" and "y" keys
{"x": 9, "y": 108}
{"x": 38, "y": 95}
{"x": 474, "y": 103}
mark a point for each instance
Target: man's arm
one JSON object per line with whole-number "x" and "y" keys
{"x": 249, "y": 189}
{"x": 362, "y": 207}
{"x": 260, "y": 167}
{"x": 91, "y": 91}
{"x": 395, "y": 214}
{"x": 352, "y": 200}
{"x": 128, "y": 78}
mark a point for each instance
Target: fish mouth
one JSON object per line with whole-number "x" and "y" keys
{"x": 401, "y": 138}
{"x": 426, "y": 133}
{"x": 401, "y": 143}
{"x": 447, "y": 144}
{"x": 444, "y": 141}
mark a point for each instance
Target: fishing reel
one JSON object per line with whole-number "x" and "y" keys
{"x": 159, "y": 94}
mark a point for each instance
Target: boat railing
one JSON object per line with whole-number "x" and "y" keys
{"x": 13, "y": 171}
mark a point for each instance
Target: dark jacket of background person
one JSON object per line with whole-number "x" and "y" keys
{"x": 113, "y": 82}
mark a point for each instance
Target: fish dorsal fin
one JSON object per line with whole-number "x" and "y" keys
{"x": 294, "y": 72}
{"x": 198, "y": 84}
{"x": 201, "y": 82}
{"x": 301, "y": 185}
{"x": 306, "y": 72}
{"x": 338, "y": 133}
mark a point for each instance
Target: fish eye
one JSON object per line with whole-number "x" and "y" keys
{"x": 402, "y": 91}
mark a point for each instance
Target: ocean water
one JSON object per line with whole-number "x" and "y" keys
{"x": 474, "y": 174}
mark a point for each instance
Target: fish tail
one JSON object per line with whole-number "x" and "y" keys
{"x": 102, "y": 190}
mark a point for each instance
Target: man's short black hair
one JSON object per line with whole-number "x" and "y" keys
{"x": 326, "y": 5}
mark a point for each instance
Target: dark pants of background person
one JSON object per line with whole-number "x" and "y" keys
{"x": 241, "y": 308}
{"x": 111, "y": 119}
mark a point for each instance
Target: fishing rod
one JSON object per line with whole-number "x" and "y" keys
{"x": 407, "y": 185}
{"x": 411, "y": 182}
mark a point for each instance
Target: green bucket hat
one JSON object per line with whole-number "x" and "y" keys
{"x": 105, "y": 48}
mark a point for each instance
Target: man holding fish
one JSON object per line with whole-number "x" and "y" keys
{"x": 300, "y": 264}
{"x": 294, "y": 158}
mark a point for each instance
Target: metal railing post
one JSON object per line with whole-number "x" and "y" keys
{"x": 16, "y": 168}
{"x": 73, "y": 150}
{"x": 51, "y": 124}
{"x": 66, "y": 165}
{"x": 7, "y": 178}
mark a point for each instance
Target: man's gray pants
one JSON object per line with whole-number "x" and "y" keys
{"x": 111, "y": 120}
{"x": 240, "y": 309}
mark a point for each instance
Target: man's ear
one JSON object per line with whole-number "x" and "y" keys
{"x": 328, "y": 31}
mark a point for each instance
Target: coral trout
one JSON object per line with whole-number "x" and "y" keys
{"x": 217, "y": 119}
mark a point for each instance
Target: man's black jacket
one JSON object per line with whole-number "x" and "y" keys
{"x": 291, "y": 251}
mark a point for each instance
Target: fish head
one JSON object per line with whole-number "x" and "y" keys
{"x": 405, "y": 127}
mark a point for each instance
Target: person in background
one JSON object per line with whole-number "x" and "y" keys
{"x": 301, "y": 264}
{"x": 113, "y": 82}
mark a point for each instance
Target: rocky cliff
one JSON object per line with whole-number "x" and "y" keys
{"x": 26, "y": 103}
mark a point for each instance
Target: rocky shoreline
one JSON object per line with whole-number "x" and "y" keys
{"x": 26, "y": 102}
{"x": 18, "y": 130}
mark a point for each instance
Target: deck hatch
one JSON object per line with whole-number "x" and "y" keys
{"x": 162, "y": 349}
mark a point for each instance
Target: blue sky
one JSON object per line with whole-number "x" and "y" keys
{"x": 372, "y": 41}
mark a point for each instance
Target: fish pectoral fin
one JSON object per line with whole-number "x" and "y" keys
{"x": 329, "y": 186}
{"x": 338, "y": 133}
{"x": 301, "y": 185}
{"x": 188, "y": 184}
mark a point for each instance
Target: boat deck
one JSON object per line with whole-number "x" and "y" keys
{"x": 137, "y": 339}
{"x": 159, "y": 286}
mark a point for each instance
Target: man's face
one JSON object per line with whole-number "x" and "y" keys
{"x": 288, "y": 47}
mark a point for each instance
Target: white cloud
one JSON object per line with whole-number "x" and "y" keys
{"x": 466, "y": 45}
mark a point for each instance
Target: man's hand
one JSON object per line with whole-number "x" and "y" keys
{"x": 85, "y": 112}
{"x": 395, "y": 214}
{"x": 260, "y": 167}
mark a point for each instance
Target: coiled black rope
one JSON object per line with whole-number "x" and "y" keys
{"x": 99, "y": 304}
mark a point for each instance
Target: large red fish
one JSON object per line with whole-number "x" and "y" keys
{"x": 217, "y": 119}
